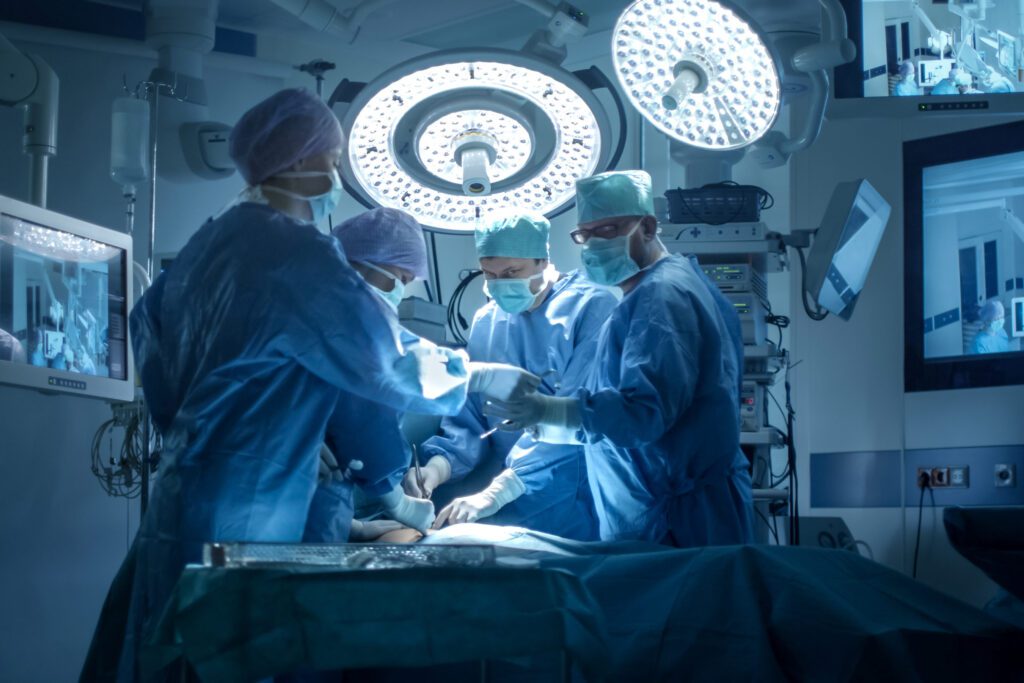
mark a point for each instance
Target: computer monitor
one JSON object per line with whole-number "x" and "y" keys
{"x": 65, "y": 288}
{"x": 926, "y": 58}
{"x": 845, "y": 245}
{"x": 964, "y": 259}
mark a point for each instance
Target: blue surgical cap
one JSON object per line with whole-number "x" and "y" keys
{"x": 519, "y": 236}
{"x": 991, "y": 311}
{"x": 283, "y": 129}
{"x": 614, "y": 194}
{"x": 385, "y": 237}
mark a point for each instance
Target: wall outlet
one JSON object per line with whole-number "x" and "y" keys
{"x": 1006, "y": 476}
{"x": 956, "y": 477}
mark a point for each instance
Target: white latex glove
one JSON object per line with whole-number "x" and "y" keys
{"x": 500, "y": 381}
{"x": 552, "y": 419}
{"x": 436, "y": 472}
{"x": 363, "y": 532}
{"x": 331, "y": 470}
{"x": 505, "y": 488}
{"x": 411, "y": 512}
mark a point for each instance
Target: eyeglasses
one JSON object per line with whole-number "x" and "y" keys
{"x": 606, "y": 231}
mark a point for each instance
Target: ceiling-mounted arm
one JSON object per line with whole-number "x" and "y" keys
{"x": 325, "y": 17}
{"x": 816, "y": 60}
{"x": 27, "y": 81}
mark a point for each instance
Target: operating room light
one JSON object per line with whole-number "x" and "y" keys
{"x": 457, "y": 138}
{"x": 697, "y": 71}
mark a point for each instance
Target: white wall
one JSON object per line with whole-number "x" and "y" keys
{"x": 849, "y": 388}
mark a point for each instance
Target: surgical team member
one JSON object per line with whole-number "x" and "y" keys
{"x": 660, "y": 412}
{"x": 243, "y": 347}
{"x": 546, "y": 322}
{"x": 992, "y": 337}
{"x": 906, "y": 85}
{"x": 364, "y": 442}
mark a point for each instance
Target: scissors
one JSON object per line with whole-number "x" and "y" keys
{"x": 508, "y": 423}
{"x": 419, "y": 473}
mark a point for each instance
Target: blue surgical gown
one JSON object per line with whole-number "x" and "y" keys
{"x": 907, "y": 88}
{"x": 557, "y": 341}
{"x": 991, "y": 342}
{"x": 247, "y": 347}
{"x": 945, "y": 87}
{"x": 660, "y": 416}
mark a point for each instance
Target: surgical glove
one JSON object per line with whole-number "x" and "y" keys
{"x": 436, "y": 472}
{"x": 552, "y": 419}
{"x": 500, "y": 381}
{"x": 363, "y": 532}
{"x": 411, "y": 512}
{"x": 330, "y": 469}
{"x": 505, "y": 488}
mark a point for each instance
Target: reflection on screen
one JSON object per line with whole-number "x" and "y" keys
{"x": 941, "y": 49}
{"x": 973, "y": 256}
{"x": 62, "y": 304}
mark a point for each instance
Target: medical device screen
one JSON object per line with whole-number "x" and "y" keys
{"x": 62, "y": 301}
{"x": 973, "y": 249}
{"x": 926, "y": 48}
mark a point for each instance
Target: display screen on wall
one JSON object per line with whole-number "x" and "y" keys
{"x": 932, "y": 49}
{"x": 964, "y": 238}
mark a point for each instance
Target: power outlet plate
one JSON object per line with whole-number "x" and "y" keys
{"x": 947, "y": 477}
{"x": 1006, "y": 476}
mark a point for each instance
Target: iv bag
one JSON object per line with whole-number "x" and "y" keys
{"x": 129, "y": 141}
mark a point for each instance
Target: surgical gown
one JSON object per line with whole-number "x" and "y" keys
{"x": 991, "y": 342}
{"x": 555, "y": 341}
{"x": 660, "y": 416}
{"x": 246, "y": 347}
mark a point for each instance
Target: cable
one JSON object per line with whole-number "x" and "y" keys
{"x": 437, "y": 272}
{"x": 456, "y": 322}
{"x": 923, "y": 482}
{"x": 818, "y": 314}
{"x": 766, "y": 201}
{"x": 794, "y": 489}
{"x": 774, "y": 532}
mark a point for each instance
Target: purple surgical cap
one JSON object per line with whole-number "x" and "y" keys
{"x": 385, "y": 237}
{"x": 283, "y": 129}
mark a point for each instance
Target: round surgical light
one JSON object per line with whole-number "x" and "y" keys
{"x": 458, "y": 138}
{"x": 697, "y": 71}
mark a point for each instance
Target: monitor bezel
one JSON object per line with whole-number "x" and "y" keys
{"x": 957, "y": 372}
{"x": 48, "y": 380}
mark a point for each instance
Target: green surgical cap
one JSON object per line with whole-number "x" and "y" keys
{"x": 614, "y": 194}
{"x": 520, "y": 236}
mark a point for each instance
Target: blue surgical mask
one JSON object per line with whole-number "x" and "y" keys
{"x": 397, "y": 293}
{"x": 513, "y": 295}
{"x": 607, "y": 261}
{"x": 996, "y": 325}
{"x": 320, "y": 205}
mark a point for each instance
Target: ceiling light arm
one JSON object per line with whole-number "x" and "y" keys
{"x": 594, "y": 79}
{"x": 566, "y": 24}
{"x": 30, "y": 83}
{"x": 816, "y": 60}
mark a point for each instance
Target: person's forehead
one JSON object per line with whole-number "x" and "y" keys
{"x": 500, "y": 263}
{"x": 610, "y": 220}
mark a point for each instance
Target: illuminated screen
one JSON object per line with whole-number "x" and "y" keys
{"x": 62, "y": 301}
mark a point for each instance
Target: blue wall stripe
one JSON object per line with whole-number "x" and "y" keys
{"x": 860, "y": 479}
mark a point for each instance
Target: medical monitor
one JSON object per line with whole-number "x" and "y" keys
{"x": 925, "y": 58}
{"x": 964, "y": 259}
{"x": 845, "y": 245}
{"x": 65, "y": 288}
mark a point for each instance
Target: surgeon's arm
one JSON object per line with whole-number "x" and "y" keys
{"x": 146, "y": 330}
{"x": 459, "y": 442}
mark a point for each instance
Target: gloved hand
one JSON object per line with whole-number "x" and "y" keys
{"x": 364, "y": 532}
{"x": 436, "y": 472}
{"x": 552, "y": 419}
{"x": 500, "y": 381}
{"x": 331, "y": 470}
{"x": 505, "y": 488}
{"x": 411, "y": 512}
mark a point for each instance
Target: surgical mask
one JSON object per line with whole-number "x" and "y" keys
{"x": 607, "y": 261}
{"x": 514, "y": 295}
{"x": 996, "y": 325}
{"x": 320, "y": 205}
{"x": 397, "y": 293}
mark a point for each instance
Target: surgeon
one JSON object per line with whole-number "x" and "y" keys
{"x": 364, "y": 444}
{"x": 546, "y": 322}
{"x": 660, "y": 412}
{"x": 906, "y": 85}
{"x": 994, "y": 82}
{"x": 244, "y": 346}
{"x": 951, "y": 84}
{"x": 992, "y": 338}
